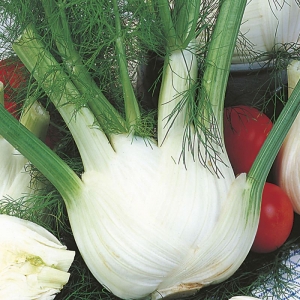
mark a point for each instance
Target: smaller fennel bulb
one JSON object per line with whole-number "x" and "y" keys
{"x": 266, "y": 26}
{"x": 18, "y": 182}
{"x": 33, "y": 263}
{"x": 287, "y": 164}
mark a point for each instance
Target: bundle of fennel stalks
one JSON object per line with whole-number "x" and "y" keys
{"x": 146, "y": 197}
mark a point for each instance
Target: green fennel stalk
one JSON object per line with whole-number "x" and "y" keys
{"x": 104, "y": 111}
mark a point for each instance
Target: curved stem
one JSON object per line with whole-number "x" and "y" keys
{"x": 268, "y": 152}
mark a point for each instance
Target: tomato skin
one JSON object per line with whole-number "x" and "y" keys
{"x": 245, "y": 130}
{"x": 276, "y": 220}
{"x": 13, "y": 75}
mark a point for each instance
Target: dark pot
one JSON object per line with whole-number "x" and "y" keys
{"x": 257, "y": 84}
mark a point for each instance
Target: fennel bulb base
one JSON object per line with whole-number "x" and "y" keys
{"x": 177, "y": 292}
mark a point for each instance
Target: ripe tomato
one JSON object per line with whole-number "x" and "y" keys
{"x": 276, "y": 220}
{"x": 245, "y": 130}
{"x": 13, "y": 75}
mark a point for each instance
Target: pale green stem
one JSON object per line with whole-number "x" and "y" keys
{"x": 36, "y": 119}
{"x": 219, "y": 56}
{"x": 179, "y": 77}
{"x": 132, "y": 110}
{"x": 180, "y": 67}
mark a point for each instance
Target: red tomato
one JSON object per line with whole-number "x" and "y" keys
{"x": 245, "y": 130}
{"x": 13, "y": 75}
{"x": 276, "y": 220}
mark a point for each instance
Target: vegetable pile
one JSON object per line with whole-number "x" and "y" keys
{"x": 156, "y": 208}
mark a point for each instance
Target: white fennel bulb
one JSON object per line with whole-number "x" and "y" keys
{"x": 33, "y": 263}
{"x": 155, "y": 222}
{"x": 266, "y": 26}
{"x": 148, "y": 216}
{"x": 15, "y": 170}
{"x": 160, "y": 215}
{"x": 288, "y": 162}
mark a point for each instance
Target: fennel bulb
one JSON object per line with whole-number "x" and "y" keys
{"x": 157, "y": 215}
{"x": 265, "y": 28}
{"x": 287, "y": 164}
{"x": 33, "y": 263}
{"x": 15, "y": 169}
